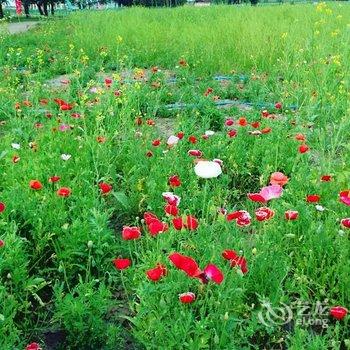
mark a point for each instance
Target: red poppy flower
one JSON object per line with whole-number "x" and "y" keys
{"x": 75, "y": 115}
{"x": 130, "y": 233}
{"x": 232, "y": 133}
{"x": 64, "y": 192}
{"x": 149, "y": 217}
{"x": 101, "y": 139}
{"x": 174, "y": 181}
{"x": 338, "y": 312}
{"x": 345, "y": 222}
{"x": 300, "y": 137}
{"x": 156, "y": 143}
{"x": 108, "y": 82}
{"x": 278, "y": 105}
{"x": 35, "y": 185}
{"x": 180, "y": 135}
{"x": 157, "y": 226}
{"x": 44, "y": 101}
{"x": 345, "y": 197}
{"x": 242, "y": 217}
{"x": 171, "y": 210}
{"x": 326, "y": 178}
{"x": 27, "y": 103}
{"x": 150, "y": 122}
{"x": 208, "y": 91}
{"x": 16, "y": 159}
{"x": 265, "y": 113}
{"x": 66, "y": 107}
{"x": 187, "y": 298}
{"x": 195, "y": 153}
{"x": 105, "y": 187}
{"x": 291, "y": 215}
{"x": 2, "y": 207}
{"x": 33, "y": 346}
{"x": 240, "y": 262}
{"x": 183, "y": 63}
{"x": 266, "y": 130}
{"x": 212, "y": 272}
{"x": 229, "y": 122}
{"x": 185, "y": 263}
{"x": 255, "y": 125}
{"x": 157, "y": 273}
{"x": 53, "y": 179}
{"x": 59, "y": 101}
{"x": 278, "y": 178}
{"x": 264, "y": 213}
{"x": 192, "y": 139}
{"x": 242, "y": 121}
{"x": 313, "y": 198}
{"x": 121, "y": 264}
{"x": 229, "y": 254}
{"x": 303, "y": 148}
{"x": 178, "y": 223}
{"x": 191, "y": 223}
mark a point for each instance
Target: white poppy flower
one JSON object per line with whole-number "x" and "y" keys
{"x": 207, "y": 169}
{"x": 65, "y": 157}
{"x": 172, "y": 140}
{"x": 209, "y": 133}
{"x": 15, "y": 145}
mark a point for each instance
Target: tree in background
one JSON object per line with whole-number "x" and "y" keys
{"x": 1, "y": 10}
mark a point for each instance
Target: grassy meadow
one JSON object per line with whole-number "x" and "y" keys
{"x": 112, "y": 236}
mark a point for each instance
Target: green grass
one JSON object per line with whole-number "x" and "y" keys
{"x": 57, "y": 279}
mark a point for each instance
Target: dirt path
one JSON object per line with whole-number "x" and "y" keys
{"x": 20, "y": 27}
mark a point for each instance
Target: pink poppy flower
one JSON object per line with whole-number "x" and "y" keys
{"x": 171, "y": 198}
{"x": 266, "y": 193}
{"x": 212, "y": 272}
{"x": 278, "y": 178}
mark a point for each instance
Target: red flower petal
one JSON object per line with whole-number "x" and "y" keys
{"x": 130, "y": 233}
{"x": 338, "y": 312}
{"x": 191, "y": 223}
{"x": 213, "y": 273}
{"x": 185, "y": 263}
{"x": 121, "y": 264}
{"x": 187, "y": 298}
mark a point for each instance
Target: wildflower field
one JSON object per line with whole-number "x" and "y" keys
{"x": 177, "y": 179}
